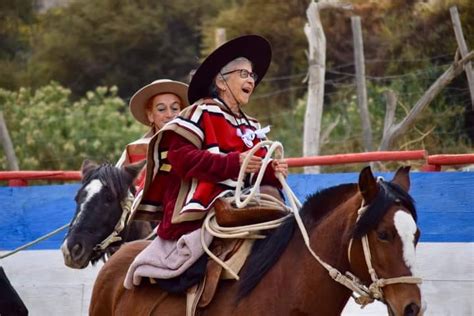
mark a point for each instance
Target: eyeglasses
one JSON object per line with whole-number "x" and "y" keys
{"x": 244, "y": 73}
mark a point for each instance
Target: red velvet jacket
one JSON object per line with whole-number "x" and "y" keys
{"x": 195, "y": 160}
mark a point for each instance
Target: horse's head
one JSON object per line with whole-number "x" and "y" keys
{"x": 387, "y": 226}
{"x": 98, "y": 210}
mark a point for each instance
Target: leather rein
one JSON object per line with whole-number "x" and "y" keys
{"x": 126, "y": 205}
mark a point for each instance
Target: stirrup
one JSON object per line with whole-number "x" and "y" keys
{"x": 193, "y": 295}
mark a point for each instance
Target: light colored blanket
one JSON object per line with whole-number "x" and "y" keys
{"x": 165, "y": 259}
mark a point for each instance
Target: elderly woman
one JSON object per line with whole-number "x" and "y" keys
{"x": 196, "y": 158}
{"x": 154, "y": 105}
{"x": 199, "y": 154}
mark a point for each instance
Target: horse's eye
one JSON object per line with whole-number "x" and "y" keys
{"x": 383, "y": 235}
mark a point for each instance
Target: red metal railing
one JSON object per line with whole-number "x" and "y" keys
{"x": 20, "y": 178}
{"x": 357, "y": 158}
{"x": 437, "y": 161}
{"x": 432, "y": 163}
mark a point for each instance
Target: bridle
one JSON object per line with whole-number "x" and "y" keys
{"x": 374, "y": 291}
{"x": 115, "y": 236}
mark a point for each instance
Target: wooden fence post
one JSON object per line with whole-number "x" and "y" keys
{"x": 7, "y": 145}
{"x": 317, "y": 68}
{"x": 220, "y": 36}
{"x": 463, "y": 49}
{"x": 360, "y": 81}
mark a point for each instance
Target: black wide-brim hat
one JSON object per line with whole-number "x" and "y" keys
{"x": 253, "y": 47}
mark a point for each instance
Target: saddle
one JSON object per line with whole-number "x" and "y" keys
{"x": 233, "y": 252}
{"x": 229, "y": 216}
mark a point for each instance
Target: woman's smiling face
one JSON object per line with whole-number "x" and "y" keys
{"x": 163, "y": 108}
{"x": 238, "y": 90}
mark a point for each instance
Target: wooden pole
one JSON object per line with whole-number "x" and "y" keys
{"x": 463, "y": 50}
{"x": 316, "y": 72}
{"x": 360, "y": 80}
{"x": 12, "y": 162}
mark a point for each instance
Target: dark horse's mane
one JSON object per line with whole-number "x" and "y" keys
{"x": 266, "y": 252}
{"x": 112, "y": 177}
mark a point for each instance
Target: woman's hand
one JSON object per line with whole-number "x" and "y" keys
{"x": 254, "y": 163}
{"x": 280, "y": 166}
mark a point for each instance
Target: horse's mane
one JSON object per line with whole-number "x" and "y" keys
{"x": 389, "y": 193}
{"x": 112, "y": 177}
{"x": 266, "y": 252}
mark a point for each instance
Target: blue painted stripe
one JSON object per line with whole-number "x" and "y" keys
{"x": 27, "y": 213}
{"x": 445, "y": 200}
{"x": 445, "y": 203}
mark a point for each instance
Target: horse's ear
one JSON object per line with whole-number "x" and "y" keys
{"x": 402, "y": 177}
{"x": 367, "y": 185}
{"x": 87, "y": 166}
{"x": 134, "y": 169}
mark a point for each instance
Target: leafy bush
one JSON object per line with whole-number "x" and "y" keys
{"x": 51, "y": 132}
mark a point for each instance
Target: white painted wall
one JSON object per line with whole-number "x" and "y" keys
{"x": 49, "y": 288}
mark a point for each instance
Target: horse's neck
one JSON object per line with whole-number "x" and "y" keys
{"x": 138, "y": 230}
{"x": 329, "y": 240}
{"x": 332, "y": 235}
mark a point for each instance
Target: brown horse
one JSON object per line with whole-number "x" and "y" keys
{"x": 281, "y": 277}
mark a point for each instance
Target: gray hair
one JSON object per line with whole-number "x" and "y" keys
{"x": 213, "y": 90}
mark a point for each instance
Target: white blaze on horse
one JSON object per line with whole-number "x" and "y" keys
{"x": 99, "y": 227}
{"x": 375, "y": 243}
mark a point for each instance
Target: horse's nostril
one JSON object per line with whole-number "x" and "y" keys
{"x": 412, "y": 310}
{"x": 77, "y": 251}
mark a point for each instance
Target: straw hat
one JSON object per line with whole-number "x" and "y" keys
{"x": 140, "y": 99}
{"x": 253, "y": 47}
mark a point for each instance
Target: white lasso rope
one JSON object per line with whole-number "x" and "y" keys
{"x": 248, "y": 231}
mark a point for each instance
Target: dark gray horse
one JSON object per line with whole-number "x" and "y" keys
{"x": 95, "y": 231}
{"x": 10, "y": 302}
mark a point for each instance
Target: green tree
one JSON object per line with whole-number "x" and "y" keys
{"x": 118, "y": 42}
{"x": 16, "y": 19}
